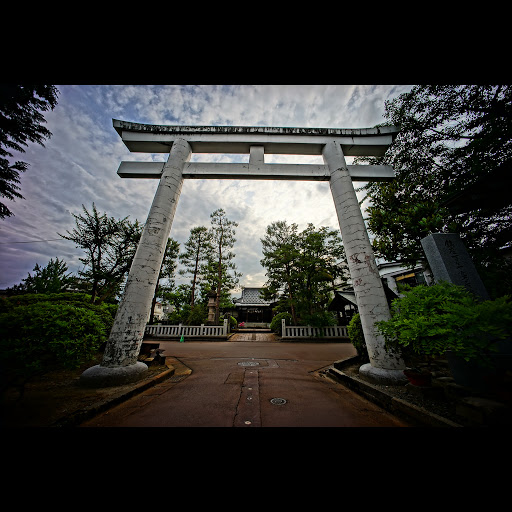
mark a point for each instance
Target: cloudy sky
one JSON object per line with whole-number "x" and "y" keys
{"x": 79, "y": 163}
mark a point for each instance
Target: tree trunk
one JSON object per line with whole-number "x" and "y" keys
{"x": 219, "y": 281}
{"x": 153, "y": 304}
{"x": 195, "y": 275}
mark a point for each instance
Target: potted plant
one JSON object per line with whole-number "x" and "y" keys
{"x": 447, "y": 320}
{"x": 418, "y": 376}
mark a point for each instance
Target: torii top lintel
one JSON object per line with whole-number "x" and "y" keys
{"x": 150, "y": 138}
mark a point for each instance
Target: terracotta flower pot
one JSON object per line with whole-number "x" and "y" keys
{"x": 418, "y": 378}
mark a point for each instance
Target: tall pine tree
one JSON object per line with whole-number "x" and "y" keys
{"x": 221, "y": 267}
{"x": 197, "y": 250}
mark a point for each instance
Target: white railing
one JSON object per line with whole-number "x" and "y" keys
{"x": 188, "y": 330}
{"x": 306, "y": 331}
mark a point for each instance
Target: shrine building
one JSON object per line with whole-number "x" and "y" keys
{"x": 252, "y": 309}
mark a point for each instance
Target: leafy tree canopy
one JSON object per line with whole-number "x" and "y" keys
{"x": 109, "y": 246}
{"x": 50, "y": 279}
{"x": 20, "y": 121}
{"x": 305, "y": 267}
{"x": 451, "y": 137}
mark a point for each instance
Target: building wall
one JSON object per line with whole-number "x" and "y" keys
{"x": 394, "y": 274}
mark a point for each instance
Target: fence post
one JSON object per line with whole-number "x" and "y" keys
{"x": 283, "y": 327}
{"x": 225, "y": 330}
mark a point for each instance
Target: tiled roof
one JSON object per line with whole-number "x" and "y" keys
{"x": 251, "y": 296}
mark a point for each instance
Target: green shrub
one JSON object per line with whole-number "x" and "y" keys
{"x": 198, "y": 315}
{"x": 356, "y": 335}
{"x": 275, "y": 324}
{"x": 319, "y": 319}
{"x": 232, "y": 322}
{"x": 174, "y": 318}
{"x": 430, "y": 320}
{"x": 44, "y": 336}
{"x": 230, "y": 319}
{"x": 106, "y": 312}
{"x": 9, "y": 303}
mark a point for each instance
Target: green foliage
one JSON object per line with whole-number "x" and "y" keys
{"x": 167, "y": 271}
{"x": 275, "y": 324}
{"x": 219, "y": 272}
{"x": 356, "y": 335}
{"x": 104, "y": 312}
{"x": 49, "y": 279}
{"x": 43, "y": 336}
{"x": 21, "y": 121}
{"x": 429, "y": 320}
{"x": 109, "y": 246}
{"x": 321, "y": 318}
{"x": 175, "y": 317}
{"x": 9, "y": 303}
{"x": 231, "y": 320}
{"x": 177, "y": 296}
{"x": 451, "y": 137}
{"x": 303, "y": 266}
{"x": 188, "y": 315}
{"x": 197, "y": 315}
{"x": 198, "y": 247}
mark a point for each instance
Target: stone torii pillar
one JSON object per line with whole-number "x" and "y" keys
{"x": 371, "y": 299}
{"x": 119, "y": 364}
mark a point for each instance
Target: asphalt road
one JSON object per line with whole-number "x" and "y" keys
{"x": 250, "y": 383}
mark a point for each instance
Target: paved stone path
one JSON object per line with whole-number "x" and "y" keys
{"x": 254, "y": 336}
{"x": 249, "y": 384}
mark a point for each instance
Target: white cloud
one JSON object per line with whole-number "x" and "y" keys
{"x": 79, "y": 162}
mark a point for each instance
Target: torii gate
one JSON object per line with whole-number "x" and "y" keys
{"x": 119, "y": 364}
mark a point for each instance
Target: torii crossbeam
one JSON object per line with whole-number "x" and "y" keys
{"x": 119, "y": 362}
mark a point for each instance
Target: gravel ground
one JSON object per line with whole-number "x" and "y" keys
{"x": 445, "y": 398}
{"x": 439, "y": 404}
{"x": 52, "y": 397}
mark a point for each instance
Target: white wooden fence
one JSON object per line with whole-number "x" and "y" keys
{"x": 188, "y": 330}
{"x": 306, "y": 331}
{"x": 288, "y": 331}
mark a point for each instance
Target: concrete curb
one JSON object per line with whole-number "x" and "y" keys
{"x": 389, "y": 402}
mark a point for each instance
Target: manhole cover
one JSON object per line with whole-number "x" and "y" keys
{"x": 277, "y": 401}
{"x": 248, "y": 363}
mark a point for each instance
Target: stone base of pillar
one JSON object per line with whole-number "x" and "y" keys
{"x": 103, "y": 376}
{"x": 383, "y": 376}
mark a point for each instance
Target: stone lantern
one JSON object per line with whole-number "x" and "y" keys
{"x": 212, "y": 299}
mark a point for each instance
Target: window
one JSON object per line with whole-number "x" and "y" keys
{"x": 411, "y": 278}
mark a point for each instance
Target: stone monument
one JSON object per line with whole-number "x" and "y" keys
{"x": 449, "y": 261}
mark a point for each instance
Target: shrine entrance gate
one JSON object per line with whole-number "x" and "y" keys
{"x": 119, "y": 364}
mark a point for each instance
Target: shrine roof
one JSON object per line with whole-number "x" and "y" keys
{"x": 251, "y": 297}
